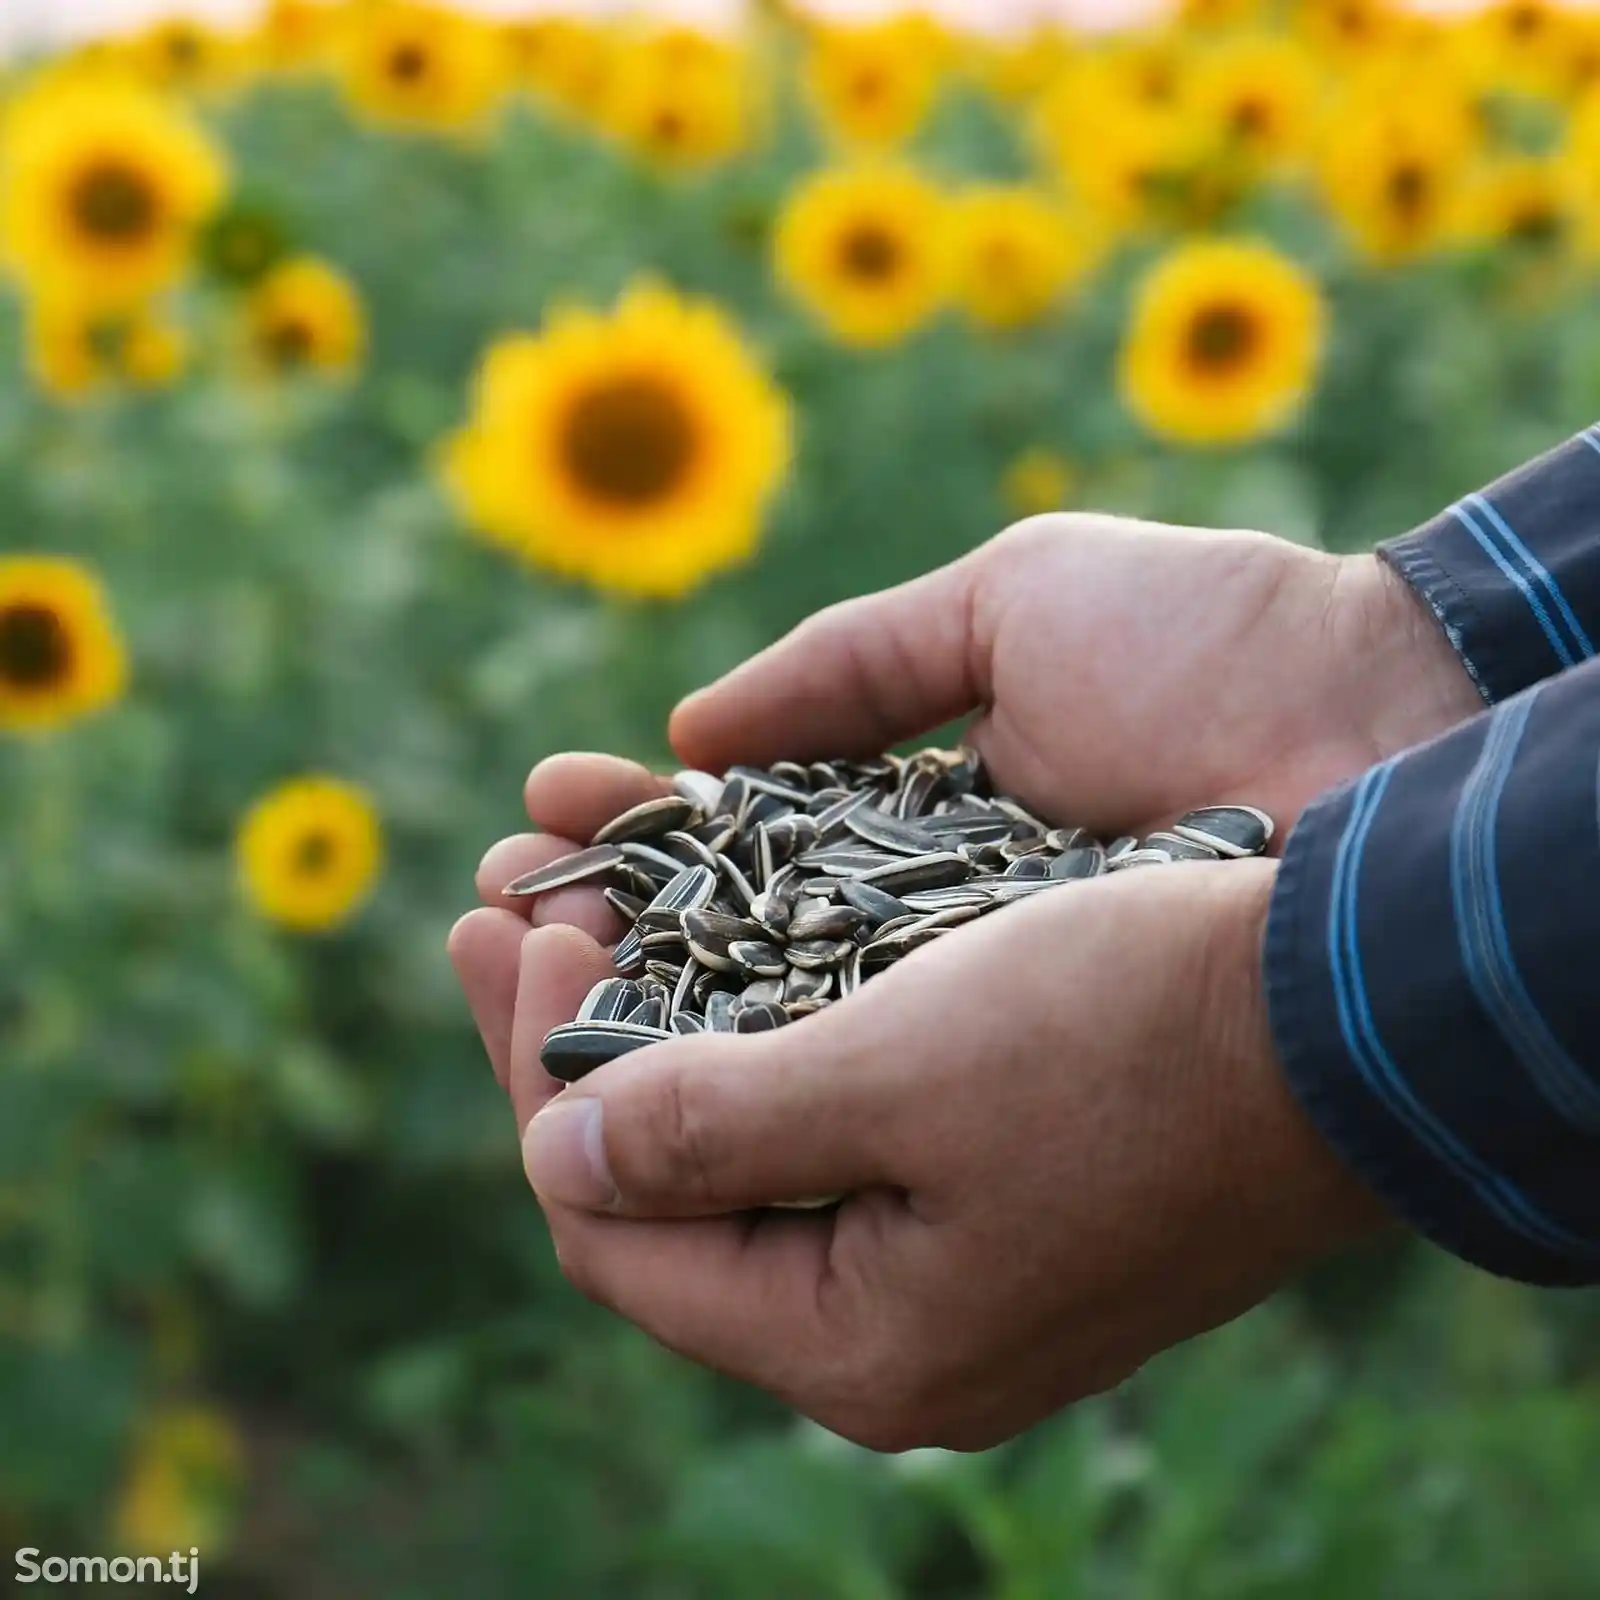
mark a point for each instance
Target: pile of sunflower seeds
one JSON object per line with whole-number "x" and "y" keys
{"x": 754, "y": 899}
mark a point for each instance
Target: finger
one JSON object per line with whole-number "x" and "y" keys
{"x": 715, "y": 1124}
{"x": 740, "y": 1294}
{"x": 558, "y": 966}
{"x": 852, "y": 680}
{"x": 485, "y": 951}
{"x": 581, "y": 906}
{"x": 576, "y": 794}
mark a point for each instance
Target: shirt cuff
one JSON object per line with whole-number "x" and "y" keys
{"x": 1353, "y": 1020}
{"x": 1512, "y": 574}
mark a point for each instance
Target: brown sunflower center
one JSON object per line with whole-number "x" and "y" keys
{"x": 114, "y": 202}
{"x": 1252, "y": 118}
{"x": 183, "y": 47}
{"x": 1158, "y": 82}
{"x": 288, "y": 341}
{"x": 669, "y": 127}
{"x": 1522, "y": 22}
{"x": 870, "y": 253}
{"x": 1536, "y": 224}
{"x": 630, "y": 442}
{"x": 1222, "y": 338}
{"x": 1407, "y": 189}
{"x": 868, "y": 86}
{"x": 35, "y": 648}
{"x": 1350, "y": 20}
{"x": 408, "y": 62}
{"x": 315, "y": 853}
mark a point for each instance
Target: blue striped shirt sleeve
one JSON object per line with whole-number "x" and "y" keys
{"x": 1513, "y": 573}
{"x": 1431, "y": 961}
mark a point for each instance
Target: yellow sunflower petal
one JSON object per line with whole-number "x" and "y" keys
{"x": 61, "y": 657}
{"x": 103, "y": 185}
{"x": 408, "y": 63}
{"x": 873, "y": 84}
{"x": 638, "y": 451}
{"x": 680, "y": 100}
{"x": 1223, "y": 343}
{"x": 309, "y": 853}
{"x": 1016, "y": 254}
{"x": 305, "y": 315}
{"x": 183, "y": 1483}
{"x": 867, "y": 251}
{"x": 1037, "y": 481}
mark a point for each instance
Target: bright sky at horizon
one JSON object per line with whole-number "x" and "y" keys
{"x": 47, "y": 22}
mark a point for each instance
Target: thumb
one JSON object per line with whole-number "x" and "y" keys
{"x": 708, "y": 1125}
{"x": 854, "y": 679}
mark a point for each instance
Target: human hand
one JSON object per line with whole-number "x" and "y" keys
{"x": 1125, "y": 672}
{"x": 1066, "y": 1143}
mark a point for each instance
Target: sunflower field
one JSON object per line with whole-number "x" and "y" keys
{"x": 392, "y": 395}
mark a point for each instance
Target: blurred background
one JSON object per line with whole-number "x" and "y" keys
{"x": 392, "y": 393}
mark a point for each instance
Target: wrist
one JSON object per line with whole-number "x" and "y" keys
{"x": 1300, "y": 1193}
{"x": 1411, "y": 685}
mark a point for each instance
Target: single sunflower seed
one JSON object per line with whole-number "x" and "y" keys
{"x": 578, "y": 867}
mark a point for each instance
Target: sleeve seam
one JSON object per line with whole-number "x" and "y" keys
{"x": 1450, "y": 606}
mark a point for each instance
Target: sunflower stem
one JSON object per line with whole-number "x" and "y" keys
{"x": 51, "y": 820}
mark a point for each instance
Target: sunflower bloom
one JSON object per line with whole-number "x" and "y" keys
{"x": 565, "y": 62}
{"x": 309, "y": 854}
{"x": 1114, "y": 132}
{"x": 73, "y": 355}
{"x": 415, "y": 65}
{"x": 1528, "y": 202}
{"x": 1223, "y": 343}
{"x": 680, "y": 100}
{"x": 873, "y": 85}
{"x": 1394, "y": 181}
{"x": 297, "y": 35}
{"x": 1215, "y": 14}
{"x": 1397, "y": 145}
{"x": 1577, "y": 68}
{"x": 1258, "y": 93}
{"x": 154, "y": 354}
{"x": 867, "y": 252}
{"x": 1518, "y": 45}
{"x": 1016, "y": 253}
{"x": 638, "y": 451}
{"x": 1018, "y": 70}
{"x": 1037, "y": 481}
{"x": 305, "y": 316}
{"x": 61, "y": 657}
{"x": 1347, "y": 32}
{"x": 103, "y": 185}
{"x": 183, "y": 1483}
{"x": 185, "y": 56}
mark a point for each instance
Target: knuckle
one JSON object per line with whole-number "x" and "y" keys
{"x": 1049, "y": 529}
{"x": 823, "y": 626}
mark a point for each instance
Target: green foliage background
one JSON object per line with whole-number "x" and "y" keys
{"x": 275, "y": 1175}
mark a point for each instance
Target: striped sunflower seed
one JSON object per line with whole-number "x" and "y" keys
{"x": 759, "y": 897}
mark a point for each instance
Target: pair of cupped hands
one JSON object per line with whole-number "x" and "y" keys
{"x": 1063, "y": 1134}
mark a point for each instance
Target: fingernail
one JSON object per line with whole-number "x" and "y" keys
{"x": 564, "y": 1153}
